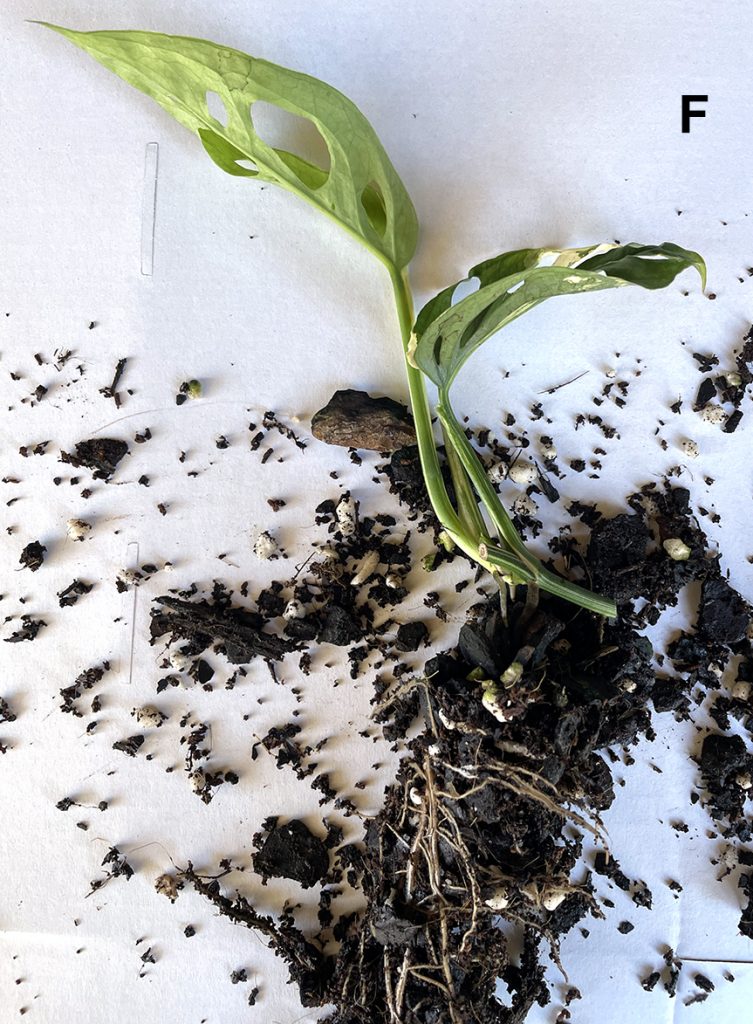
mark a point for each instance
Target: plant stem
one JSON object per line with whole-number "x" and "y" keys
{"x": 546, "y": 580}
{"x": 438, "y": 495}
{"x": 476, "y": 471}
{"x": 468, "y": 510}
{"x": 554, "y": 584}
{"x": 466, "y": 525}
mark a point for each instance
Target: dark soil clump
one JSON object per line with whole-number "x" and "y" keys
{"x": 32, "y": 555}
{"x": 70, "y": 595}
{"x": 29, "y": 630}
{"x": 411, "y": 636}
{"x": 101, "y": 454}
{"x": 291, "y": 851}
{"x": 723, "y": 616}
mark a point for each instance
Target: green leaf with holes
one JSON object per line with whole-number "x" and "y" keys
{"x": 650, "y": 266}
{"x": 446, "y": 335}
{"x": 360, "y": 190}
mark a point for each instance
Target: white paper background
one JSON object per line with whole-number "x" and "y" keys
{"x": 511, "y": 125}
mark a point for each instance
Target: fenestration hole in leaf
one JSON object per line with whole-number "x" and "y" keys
{"x": 465, "y": 288}
{"x": 296, "y": 135}
{"x": 216, "y": 108}
{"x": 437, "y": 353}
{"x": 227, "y": 156}
{"x": 471, "y": 327}
{"x": 372, "y": 201}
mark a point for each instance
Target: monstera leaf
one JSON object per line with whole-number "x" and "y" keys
{"x": 446, "y": 335}
{"x": 361, "y": 189}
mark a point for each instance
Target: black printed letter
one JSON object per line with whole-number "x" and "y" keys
{"x": 687, "y": 113}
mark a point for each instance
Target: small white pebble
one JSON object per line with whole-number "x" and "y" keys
{"x": 628, "y": 685}
{"x": 744, "y": 780}
{"x": 551, "y": 898}
{"x": 179, "y": 661}
{"x": 689, "y": 448}
{"x": 522, "y": 473}
{"x": 77, "y": 529}
{"x": 415, "y": 797}
{"x": 346, "y": 514}
{"x": 524, "y": 506}
{"x": 448, "y": 723}
{"x": 499, "y": 900}
{"x": 265, "y": 546}
{"x": 740, "y": 690}
{"x": 610, "y": 372}
{"x": 548, "y": 452}
{"x": 393, "y": 580}
{"x": 149, "y": 716}
{"x": 198, "y": 780}
{"x": 497, "y": 473}
{"x": 713, "y": 414}
{"x": 366, "y": 568}
{"x": 293, "y": 610}
{"x": 733, "y": 379}
{"x": 677, "y": 549}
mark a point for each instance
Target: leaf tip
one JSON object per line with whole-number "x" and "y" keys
{"x": 46, "y": 24}
{"x": 69, "y": 33}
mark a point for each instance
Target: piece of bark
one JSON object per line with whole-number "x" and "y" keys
{"x": 238, "y": 633}
{"x": 354, "y": 419}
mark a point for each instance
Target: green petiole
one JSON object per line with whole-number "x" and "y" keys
{"x": 466, "y": 526}
{"x": 440, "y": 500}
